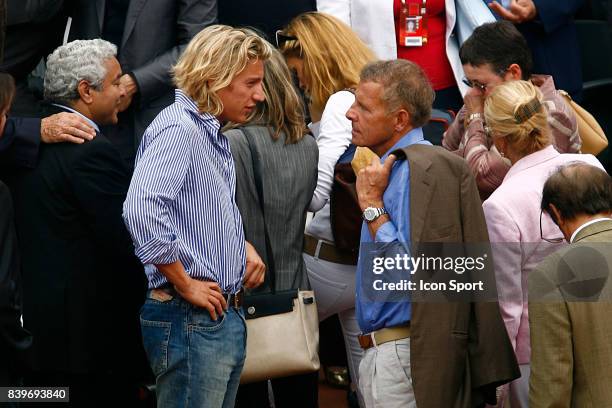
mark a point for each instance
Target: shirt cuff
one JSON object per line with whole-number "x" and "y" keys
{"x": 386, "y": 233}
{"x": 158, "y": 251}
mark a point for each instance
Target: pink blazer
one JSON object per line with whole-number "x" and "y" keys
{"x": 513, "y": 220}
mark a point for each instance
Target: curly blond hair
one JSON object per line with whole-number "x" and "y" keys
{"x": 282, "y": 111}
{"x": 211, "y": 61}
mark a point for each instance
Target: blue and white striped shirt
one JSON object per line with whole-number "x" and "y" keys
{"x": 181, "y": 202}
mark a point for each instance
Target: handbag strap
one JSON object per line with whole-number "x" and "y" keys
{"x": 257, "y": 172}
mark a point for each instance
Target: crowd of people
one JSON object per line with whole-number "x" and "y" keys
{"x": 164, "y": 167}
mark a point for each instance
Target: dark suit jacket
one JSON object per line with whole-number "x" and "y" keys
{"x": 14, "y": 340}
{"x": 20, "y": 142}
{"x": 155, "y": 34}
{"x": 34, "y": 29}
{"x": 82, "y": 284}
{"x": 554, "y": 44}
{"x": 460, "y": 351}
{"x": 570, "y": 303}
{"x": 265, "y": 15}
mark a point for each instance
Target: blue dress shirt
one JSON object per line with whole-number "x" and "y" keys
{"x": 392, "y": 238}
{"x": 181, "y": 202}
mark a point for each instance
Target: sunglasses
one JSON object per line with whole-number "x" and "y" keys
{"x": 282, "y": 38}
{"x": 551, "y": 240}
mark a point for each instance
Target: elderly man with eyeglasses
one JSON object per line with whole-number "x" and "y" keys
{"x": 496, "y": 53}
{"x": 570, "y": 294}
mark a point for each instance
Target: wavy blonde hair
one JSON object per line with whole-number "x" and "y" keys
{"x": 211, "y": 61}
{"x": 282, "y": 111}
{"x": 333, "y": 54}
{"x": 516, "y": 110}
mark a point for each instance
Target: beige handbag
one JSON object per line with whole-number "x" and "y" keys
{"x": 594, "y": 139}
{"x": 281, "y": 344}
{"x": 282, "y": 326}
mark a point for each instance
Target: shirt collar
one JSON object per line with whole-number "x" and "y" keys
{"x": 68, "y": 108}
{"x": 533, "y": 159}
{"x": 586, "y": 224}
{"x": 410, "y": 138}
{"x": 190, "y": 105}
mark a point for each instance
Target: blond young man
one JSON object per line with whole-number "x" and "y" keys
{"x": 186, "y": 227}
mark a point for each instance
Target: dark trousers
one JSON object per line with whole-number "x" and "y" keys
{"x": 298, "y": 391}
{"x": 8, "y": 378}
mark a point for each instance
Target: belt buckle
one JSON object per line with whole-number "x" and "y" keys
{"x": 229, "y": 299}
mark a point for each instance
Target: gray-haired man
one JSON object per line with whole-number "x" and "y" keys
{"x": 82, "y": 284}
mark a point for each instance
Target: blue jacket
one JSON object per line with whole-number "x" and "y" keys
{"x": 552, "y": 39}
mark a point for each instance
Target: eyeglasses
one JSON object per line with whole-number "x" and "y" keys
{"x": 476, "y": 84}
{"x": 282, "y": 38}
{"x": 551, "y": 240}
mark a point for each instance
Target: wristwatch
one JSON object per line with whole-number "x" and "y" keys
{"x": 473, "y": 116}
{"x": 372, "y": 213}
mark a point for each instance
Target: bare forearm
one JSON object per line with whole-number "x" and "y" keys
{"x": 175, "y": 273}
{"x": 375, "y": 225}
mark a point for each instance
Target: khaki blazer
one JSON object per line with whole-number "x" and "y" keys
{"x": 460, "y": 351}
{"x": 570, "y": 309}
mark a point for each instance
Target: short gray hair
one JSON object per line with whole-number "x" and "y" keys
{"x": 405, "y": 85}
{"x": 73, "y": 62}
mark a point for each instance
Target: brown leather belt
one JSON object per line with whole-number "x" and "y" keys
{"x": 327, "y": 252}
{"x": 383, "y": 336}
{"x": 166, "y": 293}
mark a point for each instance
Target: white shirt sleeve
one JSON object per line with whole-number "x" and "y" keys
{"x": 333, "y": 139}
{"x": 338, "y": 8}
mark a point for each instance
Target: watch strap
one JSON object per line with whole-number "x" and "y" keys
{"x": 473, "y": 116}
{"x": 379, "y": 211}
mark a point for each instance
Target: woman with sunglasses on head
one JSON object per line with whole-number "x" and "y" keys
{"x": 425, "y": 32}
{"x": 327, "y": 57}
{"x": 521, "y": 237}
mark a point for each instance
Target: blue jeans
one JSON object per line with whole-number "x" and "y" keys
{"x": 197, "y": 361}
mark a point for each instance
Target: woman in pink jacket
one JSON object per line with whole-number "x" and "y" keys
{"x": 520, "y": 235}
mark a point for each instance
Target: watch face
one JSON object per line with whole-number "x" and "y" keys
{"x": 369, "y": 214}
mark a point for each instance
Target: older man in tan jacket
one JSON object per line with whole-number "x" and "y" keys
{"x": 570, "y": 295}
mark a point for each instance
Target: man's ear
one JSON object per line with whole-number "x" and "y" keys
{"x": 402, "y": 120}
{"x": 515, "y": 72}
{"x": 85, "y": 91}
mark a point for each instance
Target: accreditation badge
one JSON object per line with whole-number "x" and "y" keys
{"x": 413, "y": 23}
